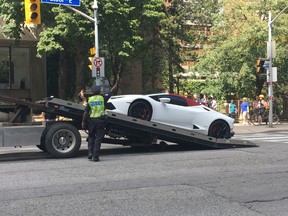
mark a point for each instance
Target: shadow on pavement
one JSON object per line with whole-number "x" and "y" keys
{"x": 36, "y": 154}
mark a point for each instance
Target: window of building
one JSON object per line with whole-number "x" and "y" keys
{"x": 14, "y": 68}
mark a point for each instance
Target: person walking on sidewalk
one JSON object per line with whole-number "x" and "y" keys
{"x": 245, "y": 111}
{"x": 232, "y": 109}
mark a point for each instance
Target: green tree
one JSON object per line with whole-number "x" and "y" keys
{"x": 65, "y": 33}
{"x": 239, "y": 36}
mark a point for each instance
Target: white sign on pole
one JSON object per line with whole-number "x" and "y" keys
{"x": 98, "y": 67}
{"x": 274, "y": 71}
{"x": 274, "y": 75}
{"x": 273, "y": 47}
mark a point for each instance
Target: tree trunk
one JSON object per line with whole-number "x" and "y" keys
{"x": 63, "y": 71}
{"x": 80, "y": 58}
{"x": 171, "y": 78}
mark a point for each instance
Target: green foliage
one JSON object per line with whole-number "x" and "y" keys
{"x": 239, "y": 38}
{"x": 233, "y": 35}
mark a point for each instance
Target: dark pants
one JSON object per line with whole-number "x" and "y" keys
{"x": 96, "y": 134}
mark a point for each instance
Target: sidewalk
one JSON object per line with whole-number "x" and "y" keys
{"x": 238, "y": 128}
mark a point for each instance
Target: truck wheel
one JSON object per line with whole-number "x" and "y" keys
{"x": 140, "y": 109}
{"x": 62, "y": 140}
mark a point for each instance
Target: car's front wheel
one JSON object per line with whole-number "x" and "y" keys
{"x": 140, "y": 109}
{"x": 219, "y": 129}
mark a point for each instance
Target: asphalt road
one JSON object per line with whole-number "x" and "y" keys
{"x": 178, "y": 181}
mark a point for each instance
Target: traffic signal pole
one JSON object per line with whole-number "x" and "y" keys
{"x": 95, "y": 8}
{"x": 95, "y": 20}
{"x": 269, "y": 72}
{"x": 270, "y": 69}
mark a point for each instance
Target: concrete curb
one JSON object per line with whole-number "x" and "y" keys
{"x": 239, "y": 128}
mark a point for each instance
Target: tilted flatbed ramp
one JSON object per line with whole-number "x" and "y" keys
{"x": 54, "y": 106}
{"x": 174, "y": 134}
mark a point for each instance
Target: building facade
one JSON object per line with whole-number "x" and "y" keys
{"x": 22, "y": 74}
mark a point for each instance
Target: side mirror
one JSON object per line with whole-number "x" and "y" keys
{"x": 165, "y": 100}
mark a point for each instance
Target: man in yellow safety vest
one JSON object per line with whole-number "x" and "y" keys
{"x": 95, "y": 114}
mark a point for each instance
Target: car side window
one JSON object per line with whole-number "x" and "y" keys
{"x": 176, "y": 100}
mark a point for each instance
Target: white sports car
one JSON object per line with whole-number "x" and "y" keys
{"x": 175, "y": 110}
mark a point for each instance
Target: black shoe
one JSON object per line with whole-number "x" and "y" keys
{"x": 95, "y": 159}
{"x": 90, "y": 156}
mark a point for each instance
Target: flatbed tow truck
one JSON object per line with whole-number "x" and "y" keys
{"x": 62, "y": 138}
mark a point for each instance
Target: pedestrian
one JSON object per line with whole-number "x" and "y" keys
{"x": 94, "y": 119}
{"x": 213, "y": 103}
{"x": 81, "y": 98}
{"x": 196, "y": 99}
{"x": 232, "y": 109}
{"x": 245, "y": 111}
{"x": 256, "y": 103}
{"x": 203, "y": 100}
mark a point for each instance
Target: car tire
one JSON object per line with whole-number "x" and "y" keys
{"x": 219, "y": 129}
{"x": 140, "y": 109}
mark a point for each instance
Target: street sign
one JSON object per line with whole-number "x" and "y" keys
{"x": 98, "y": 67}
{"x": 63, "y": 2}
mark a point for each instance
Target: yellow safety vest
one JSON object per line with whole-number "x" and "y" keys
{"x": 97, "y": 106}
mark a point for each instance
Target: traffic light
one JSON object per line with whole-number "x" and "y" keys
{"x": 260, "y": 65}
{"x": 32, "y": 12}
{"x": 90, "y": 60}
{"x": 92, "y": 53}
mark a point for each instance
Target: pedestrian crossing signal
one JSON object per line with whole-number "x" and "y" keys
{"x": 32, "y": 12}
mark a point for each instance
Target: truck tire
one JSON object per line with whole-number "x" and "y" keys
{"x": 62, "y": 140}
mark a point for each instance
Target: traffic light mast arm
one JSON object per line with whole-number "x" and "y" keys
{"x": 270, "y": 22}
{"x": 94, "y": 20}
{"x": 81, "y": 13}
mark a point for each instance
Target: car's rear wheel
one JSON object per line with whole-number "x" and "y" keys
{"x": 219, "y": 129}
{"x": 140, "y": 109}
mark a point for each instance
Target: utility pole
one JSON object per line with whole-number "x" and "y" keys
{"x": 270, "y": 69}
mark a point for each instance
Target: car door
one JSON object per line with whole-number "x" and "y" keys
{"x": 175, "y": 112}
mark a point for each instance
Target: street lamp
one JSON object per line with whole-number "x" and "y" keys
{"x": 270, "y": 73}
